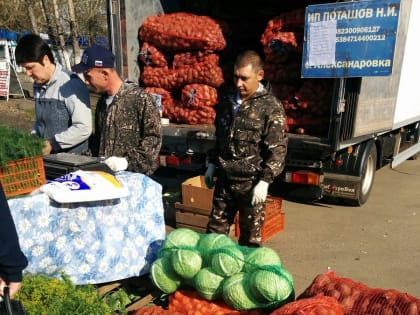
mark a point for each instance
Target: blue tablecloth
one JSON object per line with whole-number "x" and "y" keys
{"x": 93, "y": 242}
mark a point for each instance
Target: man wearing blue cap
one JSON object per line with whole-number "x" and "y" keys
{"x": 62, "y": 103}
{"x": 128, "y": 131}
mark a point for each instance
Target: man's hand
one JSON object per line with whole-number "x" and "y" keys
{"x": 259, "y": 193}
{"x": 14, "y": 287}
{"x": 208, "y": 176}
{"x": 117, "y": 163}
{"x": 47, "y": 148}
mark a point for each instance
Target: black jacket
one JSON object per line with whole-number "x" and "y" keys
{"x": 12, "y": 260}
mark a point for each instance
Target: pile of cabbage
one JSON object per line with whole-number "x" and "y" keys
{"x": 217, "y": 268}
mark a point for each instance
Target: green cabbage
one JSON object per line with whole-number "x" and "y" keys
{"x": 236, "y": 293}
{"x": 261, "y": 256}
{"x": 227, "y": 261}
{"x": 208, "y": 284}
{"x": 186, "y": 262}
{"x": 268, "y": 286}
{"x": 163, "y": 276}
{"x": 211, "y": 241}
{"x": 180, "y": 238}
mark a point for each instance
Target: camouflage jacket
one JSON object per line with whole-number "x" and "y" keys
{"x": 129, "y": 127}
{"x": 251, "y": 144}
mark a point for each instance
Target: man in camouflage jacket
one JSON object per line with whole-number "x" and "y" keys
{"x": 127, "y": 120}
{"x": 249, "y": 153}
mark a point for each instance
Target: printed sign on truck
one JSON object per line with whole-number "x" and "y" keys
{"x": 350, "y": 39}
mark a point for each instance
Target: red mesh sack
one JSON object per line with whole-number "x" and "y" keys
{"x": 154, "y": 310}
{"x": 307, "y": 106}
{"x": 159, "y": 77}
{"x": 167, "y": 100}
{"x": 190, "y": 303}
{"x": 284, "y": 33}
{"x": 283, "y": 91}
{"x": 345, "y": 290}
{"x": 385, "y": 302}
{"x": 281, "y": 72}
{"x": 180, "y": 114}
{"x": 282, "y": 44}
{"x": 314, "y": 96}
{"x": 198, "y": 95}
{"x": 319, "y": 305}
{"x": 149, "y": 55}
{"x": 201, "y": 72}
{"x": 191, "y": 57}
{"x": 356, "y": 298}
{"x": 182, "y": 31}
{"x": 172, "y": 79}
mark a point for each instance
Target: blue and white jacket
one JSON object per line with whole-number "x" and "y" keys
{"x": 63, "y": 112}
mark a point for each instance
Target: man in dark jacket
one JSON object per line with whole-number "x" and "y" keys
{"x": 12, "y": 260}
{"x": 128, "y": 131}
{"x": 249, "y": 153}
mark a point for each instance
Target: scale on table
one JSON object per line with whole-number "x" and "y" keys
{"x": 59, "y": 164}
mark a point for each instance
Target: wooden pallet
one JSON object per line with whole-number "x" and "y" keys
{"x": 190, "y": 217}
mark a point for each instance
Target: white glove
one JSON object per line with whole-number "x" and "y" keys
{"x": 259, "y": 193}
{"x": 208, "y": 176}
{"x": 116, "y": 163}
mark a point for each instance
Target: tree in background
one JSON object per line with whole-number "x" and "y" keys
{"x": 63, "y": 20}
{"x": 74, "y": 31}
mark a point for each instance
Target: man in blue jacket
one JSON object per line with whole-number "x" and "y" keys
{"x": 62, "y": 102}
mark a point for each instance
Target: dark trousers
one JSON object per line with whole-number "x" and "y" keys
{"x": 230, "y": 197}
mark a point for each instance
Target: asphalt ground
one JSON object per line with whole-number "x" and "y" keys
{"x": 377, "y": 244}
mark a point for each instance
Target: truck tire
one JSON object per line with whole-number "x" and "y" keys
{"x": 415, "y": 137}
{"x": 367, "y": 175}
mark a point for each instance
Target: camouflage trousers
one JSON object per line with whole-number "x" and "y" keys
{"x": 229, "y": 198}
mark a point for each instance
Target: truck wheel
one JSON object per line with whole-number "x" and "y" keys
{"x": 368, "y": 170}
{"x": 415, "y": 137}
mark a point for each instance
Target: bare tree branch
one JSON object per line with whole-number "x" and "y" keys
{"x": 74, "y": 32}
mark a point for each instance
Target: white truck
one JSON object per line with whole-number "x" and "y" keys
{"x": 368, "y": 51}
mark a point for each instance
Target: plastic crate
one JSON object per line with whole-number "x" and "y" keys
{"x": 22, "y": 176}
{"x": 272, "y": 226}
{"x": 272, "y": 206}
{"x": 274, "y": 219}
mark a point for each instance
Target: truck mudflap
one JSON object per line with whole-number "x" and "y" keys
{"x": 341, "y": 186}
{"x": 355, "y": 174}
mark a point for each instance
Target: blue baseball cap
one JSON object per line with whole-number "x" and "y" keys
{"x": 95, "y": 57}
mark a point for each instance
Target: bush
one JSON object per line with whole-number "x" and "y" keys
{"x": 42, "y": 295}
{"x": 18, "y": 144}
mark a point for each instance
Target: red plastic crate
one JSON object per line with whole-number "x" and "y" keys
{"x": 272, "y": 206}
{"x": 274, "y": 219}
{"x": 272, "y": 226}
{"x": 22, "y": 176}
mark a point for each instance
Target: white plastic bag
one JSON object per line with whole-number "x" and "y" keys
{"x": 82, "y": 186}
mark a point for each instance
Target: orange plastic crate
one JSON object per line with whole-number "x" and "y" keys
{"x": 272, "y": 206}
{"x": 274, "y": 219}
{"x": 272, "y": 226}
{"x": 22, "y": 176}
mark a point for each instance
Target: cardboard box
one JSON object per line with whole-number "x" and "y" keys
{"x": 196, "y": 194}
